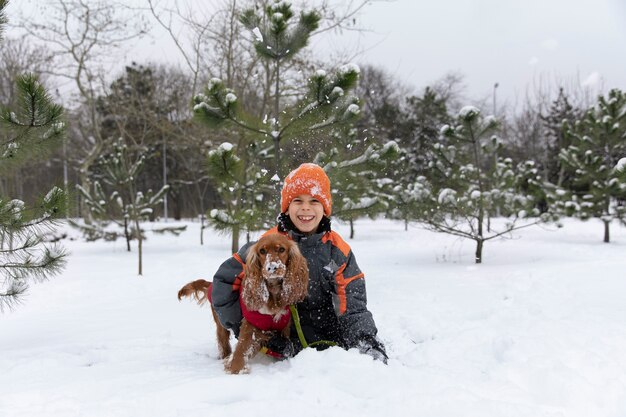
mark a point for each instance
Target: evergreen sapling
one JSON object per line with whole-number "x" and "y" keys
{"x": 598, "y": 141}
{"x": 31, "y": 128}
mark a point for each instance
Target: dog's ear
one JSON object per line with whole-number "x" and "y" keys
{"x": 253, "y": 292}
{"x": 253, "y": 260}
{"x": 297, "y": 277}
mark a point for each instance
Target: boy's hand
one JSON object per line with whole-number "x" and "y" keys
{"x": 282, "y": 346}
{"x": 370, "y": 345}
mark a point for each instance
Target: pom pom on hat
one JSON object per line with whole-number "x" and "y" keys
{"x": 309, "y": 179}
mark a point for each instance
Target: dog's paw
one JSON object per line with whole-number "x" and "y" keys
{"x": 235, "y": 366}
{"x": 234, "y": 371}
{"x": 224, "y": 355}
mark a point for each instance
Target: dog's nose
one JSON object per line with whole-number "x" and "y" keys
{"x": 273, "y": 266}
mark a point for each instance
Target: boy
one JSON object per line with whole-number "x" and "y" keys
{"x": 335, "y": 309}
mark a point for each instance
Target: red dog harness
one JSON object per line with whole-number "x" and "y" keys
{"x": 265, "y": 321}
{"x": 259, "y": 320}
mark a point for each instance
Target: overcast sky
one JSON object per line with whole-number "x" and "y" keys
{"x": 513, "y": 43}
{"x": 509, "y": 42}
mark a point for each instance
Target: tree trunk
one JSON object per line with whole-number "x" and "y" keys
{"x": 127, "y": 234}
{"x": 606, "y": 232}
{"x": 234, "y": 246}
{"x": 85, "y": 182}
{"x": 351, "y": 228}
{"x": 479, "y": 251}
{"x": 139, "y": 245}
{"x": 202, "y": 229}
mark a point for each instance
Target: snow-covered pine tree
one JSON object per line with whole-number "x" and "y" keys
{"x": 239, "y": 183}
{"x": 424, "y": 117}
{"x": 328, "y": 104}
{"x": 598, "y": 141}
{"x": 561, "y": 112}
{"x": 278, "y": 39}
{"x": 466, "y": 182}
{"x": 126, "y": 204}
{"x": 361, "y": 185}
{"x": 29, "y": 129}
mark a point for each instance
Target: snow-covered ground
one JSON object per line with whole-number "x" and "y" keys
{"x": 539, "y": 329}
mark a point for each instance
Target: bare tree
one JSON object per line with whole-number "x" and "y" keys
{"x": 83, "y": 38}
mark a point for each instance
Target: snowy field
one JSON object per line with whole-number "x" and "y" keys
{"x": 539, "y": 329}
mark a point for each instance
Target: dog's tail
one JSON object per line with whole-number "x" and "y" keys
{"x": 199, "y": 290}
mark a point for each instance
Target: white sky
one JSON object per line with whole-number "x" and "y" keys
{"x": 513, "y": 43}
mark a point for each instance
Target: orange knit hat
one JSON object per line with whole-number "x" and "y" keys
{"x": 309, "y": 179}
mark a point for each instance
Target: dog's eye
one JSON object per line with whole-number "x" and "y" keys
{"x": 281, "y": 250}
{"x": 262, "y": 251}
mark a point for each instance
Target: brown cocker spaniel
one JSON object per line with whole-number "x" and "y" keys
{"x": 276, "y": 276}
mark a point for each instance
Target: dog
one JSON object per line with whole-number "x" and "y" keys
{"x": 276, "y": 276}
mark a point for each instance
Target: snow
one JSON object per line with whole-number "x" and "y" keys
{"x": 447, "y": 196}
{"x": 54, "y": 191}
{"x": 621, "y": 165}
{"x": 226, "y": 147}
{"x": 337, "y": 91}
{"x": 213, "y": 83}
{"x": 220, "y": 215}
{"x": 537, "y": 330}
{"x": 257, "y": 34}
{"x": 201, "y": 105}
{"x": 468, "y": 111}
{"x": 15, "y": 209}
{"x": 13, "y": 118}
{"x": 349, "y": 68}
{"x": 362, "y": 203}
{"x": 353, "y": 108}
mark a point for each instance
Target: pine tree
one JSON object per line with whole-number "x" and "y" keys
{"x": 328, "y": 106}
{"x": 560, "y": 114}
{"x": 30, "y": 129}
{"x": 238, "y": 182}
{"x": 360, "y": 185}
{"x": 467, "y": 181}
{"x": 424, "y": 117}
{"x": 598, "y": 141}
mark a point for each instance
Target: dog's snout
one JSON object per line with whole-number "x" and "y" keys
{"x": 274, "y": 267}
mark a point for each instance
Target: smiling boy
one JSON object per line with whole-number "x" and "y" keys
{"x": 335, "y": 309}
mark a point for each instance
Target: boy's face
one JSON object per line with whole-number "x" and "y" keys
{"x": 306, "y": 213}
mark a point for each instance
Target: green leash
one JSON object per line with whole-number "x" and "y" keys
{"x": 296, "y": 320}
